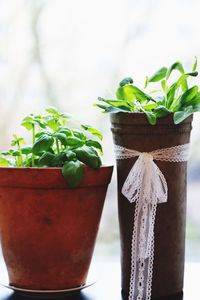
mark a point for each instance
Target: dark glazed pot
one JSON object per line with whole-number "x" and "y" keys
{"x": 48, "y": 230}
{"x": 131, "y": 130}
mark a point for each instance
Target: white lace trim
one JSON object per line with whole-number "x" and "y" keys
{"x": 146, "y": 186}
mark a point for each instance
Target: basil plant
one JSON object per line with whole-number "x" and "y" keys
{"x": 56, "y": 144}
{"x": 177, "y": 97}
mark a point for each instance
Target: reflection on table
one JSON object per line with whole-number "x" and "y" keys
{"x": 107, "y": 286}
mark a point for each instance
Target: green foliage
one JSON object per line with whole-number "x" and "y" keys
{"x": 54, "y": 144}
{"x": 4, "y": 162}
{"x": 73, "y": 172}
{"x": 131, "y": 92}
{"x": 93, "y": 131}
{"x": 125, "y": 81}
{"x": 171, "y": 96}
{"x": 160, "y": 74}
{"x": 89, "y": 156}
{"x": 43, "y": 143}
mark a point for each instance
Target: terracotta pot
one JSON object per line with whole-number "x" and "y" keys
{"x": 48, "y": 230}
{"x": 131, "y": 130}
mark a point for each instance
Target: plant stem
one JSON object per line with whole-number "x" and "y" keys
{"x": 57, "y": 146}
{"x": 33, "y": 140}
{"x": 33, "y": 132}
{"x": 20, "y": 160}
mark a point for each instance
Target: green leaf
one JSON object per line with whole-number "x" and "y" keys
{"x": 121, "y": 104}
{"x": 150, "y": 106}
{"x": 4, "y": 162}
{"x": 95, "y": 144}
{"x": 88, "y": 156}
{"x": 16, "y": 153}
{"x": 52, "y": 110}
{"x": 154, "y": 91}
{"x": 159, "y": 75}
{"x": 164, "y": 85}
{"x": 46, "y": 159}
{"x": 176, "y": 66}
{"x": 28, "y": 162}
{"x": 28, "y": 124}
{"x": 194, "y": 101}
{"x": 108, "y": 109}
{"x": 126, "y": 81}
{"x": 146, "y": 82}
{"x": 57, "y": 115}
{"x": 31, "y": 120}
{"x": 66, "y": 131}
{"x": 26, "y": 150}
{"x": 188, "y": 95}
{"x": 65, "y": 116}
{"x": 41, "y": 133}
{"x": 52, "y": 123}
{"x": 42, "y": 144}
{"x": 74, "y": 142}
{"x": 151, "y": 117}
{"x": 79, "y": 134}
{"x": 61, "y": 137}
{"x": 193, "y": 74}
{"x": 93, "y": 131}
{"x": 8, "y": 152}
{"x": 131, "y": 92}
{"x": 13, "y": 143}
{"x": 73, "y": 173}
{"x": 161, "y": 111}
{"x": 171, "y": 95}
{"x": 185, "y": 76}
{"x": 160, "y": 100}
{"x": 17, "y": 140}
{"x": 196, "y": 108}
{"x": 70, "y": 155}
{"x": 59, "y": 159}
{"x": 194, "y": 68}
{"x": 180, "y": 116}
{"x": 183, "y": 82}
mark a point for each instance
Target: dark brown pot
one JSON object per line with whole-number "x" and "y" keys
{"x": 131, "y": 130}
{"x": 48, "y": 230}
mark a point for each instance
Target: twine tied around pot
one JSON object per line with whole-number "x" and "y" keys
{"x": 146, "y": 186}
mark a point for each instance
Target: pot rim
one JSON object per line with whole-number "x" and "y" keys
{"x": 51, "y": 178}
{"x": 140, "y": 118}
{"x": 52, "y": 168}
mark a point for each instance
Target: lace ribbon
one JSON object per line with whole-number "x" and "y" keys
{"x": 146, "y": 186}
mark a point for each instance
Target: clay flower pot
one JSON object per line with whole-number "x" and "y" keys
{"x": 48, "y": 230}
{"x": 132, "y": 131}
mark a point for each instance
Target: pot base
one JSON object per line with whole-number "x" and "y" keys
{"x": 47, "y": 293}
{"x": 178, "y": 296}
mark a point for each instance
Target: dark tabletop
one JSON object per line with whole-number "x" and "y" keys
{"x": 107, "y": 285}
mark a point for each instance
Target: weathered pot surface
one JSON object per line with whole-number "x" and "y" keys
{"x": 48, "y": 230}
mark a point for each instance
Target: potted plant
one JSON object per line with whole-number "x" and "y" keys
{"x": 51, "y": 199}
{"x": 151, "y": 132}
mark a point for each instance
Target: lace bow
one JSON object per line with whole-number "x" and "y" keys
{"x": 146, "y": 186}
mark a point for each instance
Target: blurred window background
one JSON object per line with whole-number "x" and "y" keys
{"x": 67, "y": 53}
